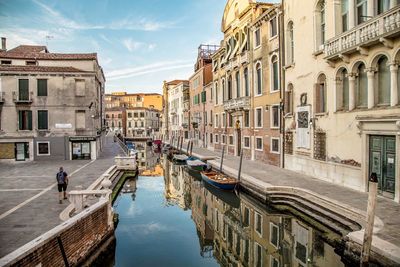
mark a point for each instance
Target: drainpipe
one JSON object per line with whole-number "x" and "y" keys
{"x": 282, "y": 77}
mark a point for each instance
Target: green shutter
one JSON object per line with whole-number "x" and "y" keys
{"x": 42, "y": 120}
{"x": 29, "y": 119}
{"x": 42, "y": 87}
{"x": 20, "y": 119}
{"x": 23, "y": 89}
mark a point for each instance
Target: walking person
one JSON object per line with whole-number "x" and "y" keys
{"x": 62, "y": 183}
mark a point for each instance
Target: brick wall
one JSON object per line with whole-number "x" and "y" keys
{"x": 78, "y": 235}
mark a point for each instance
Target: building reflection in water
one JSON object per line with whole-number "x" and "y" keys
{"x": 241, "y": 231}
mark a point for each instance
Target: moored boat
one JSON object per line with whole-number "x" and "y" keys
{"x": 195, "y": 164}
{"x": 219, "y": 180}
{"x": 180, "y": 158}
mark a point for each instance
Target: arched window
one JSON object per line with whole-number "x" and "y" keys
{"x": 237, "y": 84}
{"x": 320, "y": 24}
{"x": 290, "y": 43}
{"x": 342, "y": 93}
{"x": 246, "y": 81}
{"x": 320, "y": 94}
{"x": 362, "y": 86}
{"x": 230, "y": 87}
{"x": 274, "y": 74}
{"x": 223, "y": 91}
{"x": 383, "y": 76}
{"x": 216, "y": 93}
{"x": 258, "y": 79}
{"x": 289, "y": 99}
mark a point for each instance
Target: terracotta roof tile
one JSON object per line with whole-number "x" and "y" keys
{"x": 41, "y": 52}
{"x": 175, "y": 82}
{"x": 38, "y": 68}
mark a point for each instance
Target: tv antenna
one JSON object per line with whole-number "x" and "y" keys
{"x": 48, "y": 37}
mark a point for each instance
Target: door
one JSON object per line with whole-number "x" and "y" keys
{"x": 20, "y": 151}
{"x": 382, "y": 162}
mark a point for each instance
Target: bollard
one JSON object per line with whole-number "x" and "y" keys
{"x": 369, "y": 227}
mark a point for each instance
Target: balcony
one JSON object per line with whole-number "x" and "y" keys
{"x": 376, "y": 30}
{"x": 2, "y": 97}
{"x": 185, "y": 125}
{"x": 244, "y": 58}
{"x": 241, "y": 103}
{"x": 228, "y": 66}
{"x": 23, "y": 98}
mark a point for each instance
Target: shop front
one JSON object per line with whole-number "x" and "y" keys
{"x": 81, "y": 147}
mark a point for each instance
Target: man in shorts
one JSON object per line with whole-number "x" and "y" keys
{"x": 62, "y": 182}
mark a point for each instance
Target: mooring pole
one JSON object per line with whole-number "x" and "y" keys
{"x": 187, "y": 148}
{"x": 191, "y": 149}
{"x": 60, "y": 244}
{"x": 181, "y": 143}
{"x": 240, "y": 163}
{"x": 222, "y": 158}
{"x": 369, "y": 227}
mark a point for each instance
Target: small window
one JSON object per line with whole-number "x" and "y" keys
{"x": 135, "y": 115}
{"x": 129, "y": 115}
{"x": 216, "y": 139}
{"x": 43, "y": 120}
{"x": 119, "y": 116}
{"x": 223, "y": 139}
{"x": 258, "y": 223}
{"x": 247, "y": 119}
{"x": 211, "y": 138}
{"x": 246, "y": 142}
{"x": 43, "y": 148}
{"x": 274, "y": 235}
{"x": 257, "y": 255}
{"x": 275, "y": 74}
{"x": 25, "y": 119}
{"x": 259, "y": 143}
{"x": 273, "y": 27}
{"x": 246, "y": 81}
{"x": 30, "y": 62}
{"x": 275, "y": 116}
{"x": 6, "y": 62}
{"x": 246, "y": 217}
{"x": 216, "y": 121}
{"x": 42, "y": 87}
{"x": 275, "y": 145}
{"x": 230, "y": 120}
{"x": 129, "y": 124}
{"x": 231, "y": 140}
{"x": 274, "y": 262}
{"x": 223, "y": 120}
{"x": 80, "y": 119}
{"x": 257, "y": 38}
{"x": 258, "y": 79}
{"x": 259, "y": 118}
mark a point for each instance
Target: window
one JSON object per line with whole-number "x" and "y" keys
{"x": 23, "y": 89}
{"x": 275, "y": 74}
{"x": 246, "y": 81}
{"x": 211, "y": 116}
{"x": 30, "y": 62}
{"x": 237, "y": 83}
{"x": 216, "y": 121}
{"x": 231, "y": 140}
{"x": 135, "y": 115}
{"x": 323, "y": 23}
{"x": 79, "y": 87}
{"x": 320, "y": 94}
{"x": 205, "y": 117}
{"x": 361, "y": 11}
{"x": 274, "y": 235}
{"x": 25, "y": 119}
{"x": 320, "y": 25}
{"x": 119, "y": 116}
{"x": 383, "y": 81}
{"x": 129, "y": 124}
{"x": 211, "y": 138}
{"x": 257, "y": 38}
{"x": 246, "y": 142}
{"x": 216, "y": 93}
{"x": 344, "y": 86}
{"x": 257, "y": 255}
{"x": 362, "y": 86}
{"x": 80, "y": 119}
{"x": 223, "y": 139}
{"x": 5, "y": 62}
{"x": 275, "y": 145}
{"x": 141, "y": 114}
{"x": 246, "y": 118}
{"x": 275, "y": 116}
{"x": 230, "y": 87}
{"x": 223, "y": 91}
{"x": 42, "y": 87}
{"x": 196, "y": 82}
{"x": 43, "y": 120}
{"x": 345, "y": 14}
{"x": 274, "y": 262}
{"x": 129, "y": 115}
{"x": 223, "y": 120}
{"x": 258, "y": 79}
{"x": 259, "y": 143}
{"x": 289, "y": 99}
{"x": 216, "y": 138}
{"x": 230, "y": 120}
{"x": 273, "y": 27}
{"x": 203, "y": 96}
{"x": 290, "y": 43}
{"x": 258, "y": 112}
{"x": 135, "y": 124}
{"x": 211, "y": 93}
{"x": 383, "y": 5}
{"x": 43, "y": 148}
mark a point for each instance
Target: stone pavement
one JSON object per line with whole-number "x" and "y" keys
{"x": 387, "y": 210}
{"x": 29, "y": 198}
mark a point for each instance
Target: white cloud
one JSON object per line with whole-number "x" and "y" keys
{"x": 151, "y": 47}
{"x": 131, "y": 45}
{"x": 105, "y": 38}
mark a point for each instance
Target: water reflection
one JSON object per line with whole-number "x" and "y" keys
{"x": 222, "y": 229}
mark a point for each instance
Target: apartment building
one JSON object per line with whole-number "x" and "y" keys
{"x": 123, "y": 99}
{"x": 51, "y": 104}
{"x": 116, "y": 120}
{"x": 342, "y": 113}
{"x": 198, "y": 82}
{"x": 142, "y": 122}
{"x": 246, "y": 78}
{"x": 176, "y": 108}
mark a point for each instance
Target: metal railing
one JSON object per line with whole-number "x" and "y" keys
{"x": 22, "y": 98}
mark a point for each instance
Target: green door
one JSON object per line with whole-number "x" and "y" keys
{"x": 382, "y": 162}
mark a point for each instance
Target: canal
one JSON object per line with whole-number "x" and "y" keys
{"x": 169, "y": 217}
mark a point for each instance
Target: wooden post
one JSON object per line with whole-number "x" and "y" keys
{"x": 369, "y": 227}
{"x": 222, "y": 158}
{"x": 181, "y": 143}
{"x": 240, "y": 164}
{"x": 187, "y": 149}
{"x": 191, "y": 149}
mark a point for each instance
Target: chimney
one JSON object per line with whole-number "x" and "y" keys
{"x": 3, "y": 44}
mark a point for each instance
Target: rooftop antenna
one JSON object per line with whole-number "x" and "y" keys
{"x": 48, "y": 37}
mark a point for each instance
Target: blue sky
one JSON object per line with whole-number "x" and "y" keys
{"x": 140, "y": 43}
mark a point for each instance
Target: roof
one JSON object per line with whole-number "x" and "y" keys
{"x": 137, "y": 94}
{"x": 145, "y": 108}
{"x": 29, "y": 68}
{"x": 41, "y": 52}
{"x": 175, "y": 82}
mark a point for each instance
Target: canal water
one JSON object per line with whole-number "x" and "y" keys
{"x": 169, "y": 217}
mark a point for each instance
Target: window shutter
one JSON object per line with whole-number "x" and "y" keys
{"x": 42, "y": 87}
{"x": 29, "y": 119}
{"x": 23, "y": 89}
{"x": 20, "y": 120}
{"x": 42, "y": 120}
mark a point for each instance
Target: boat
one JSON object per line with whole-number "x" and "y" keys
{"x": 219, "y": 180}
{"x": 172, "y": 152}
{"x": 195, "y": 164}
{"x": 180, "y": 157}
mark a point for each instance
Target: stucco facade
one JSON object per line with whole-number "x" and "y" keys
{"x": 142, "y": 122}
{"x": 176, "y": 108}
{"x": 342, "y": 93}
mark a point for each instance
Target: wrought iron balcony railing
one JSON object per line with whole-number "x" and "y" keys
{"x": 25, "y": 98}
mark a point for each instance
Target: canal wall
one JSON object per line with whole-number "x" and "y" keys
{"x": 77, "y": 237}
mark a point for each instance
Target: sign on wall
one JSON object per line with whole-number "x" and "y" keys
{"x": 63, "y": 125}
{"x": 303, "y": 127}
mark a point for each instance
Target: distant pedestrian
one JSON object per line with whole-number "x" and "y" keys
{"x": 62, "y": 183}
